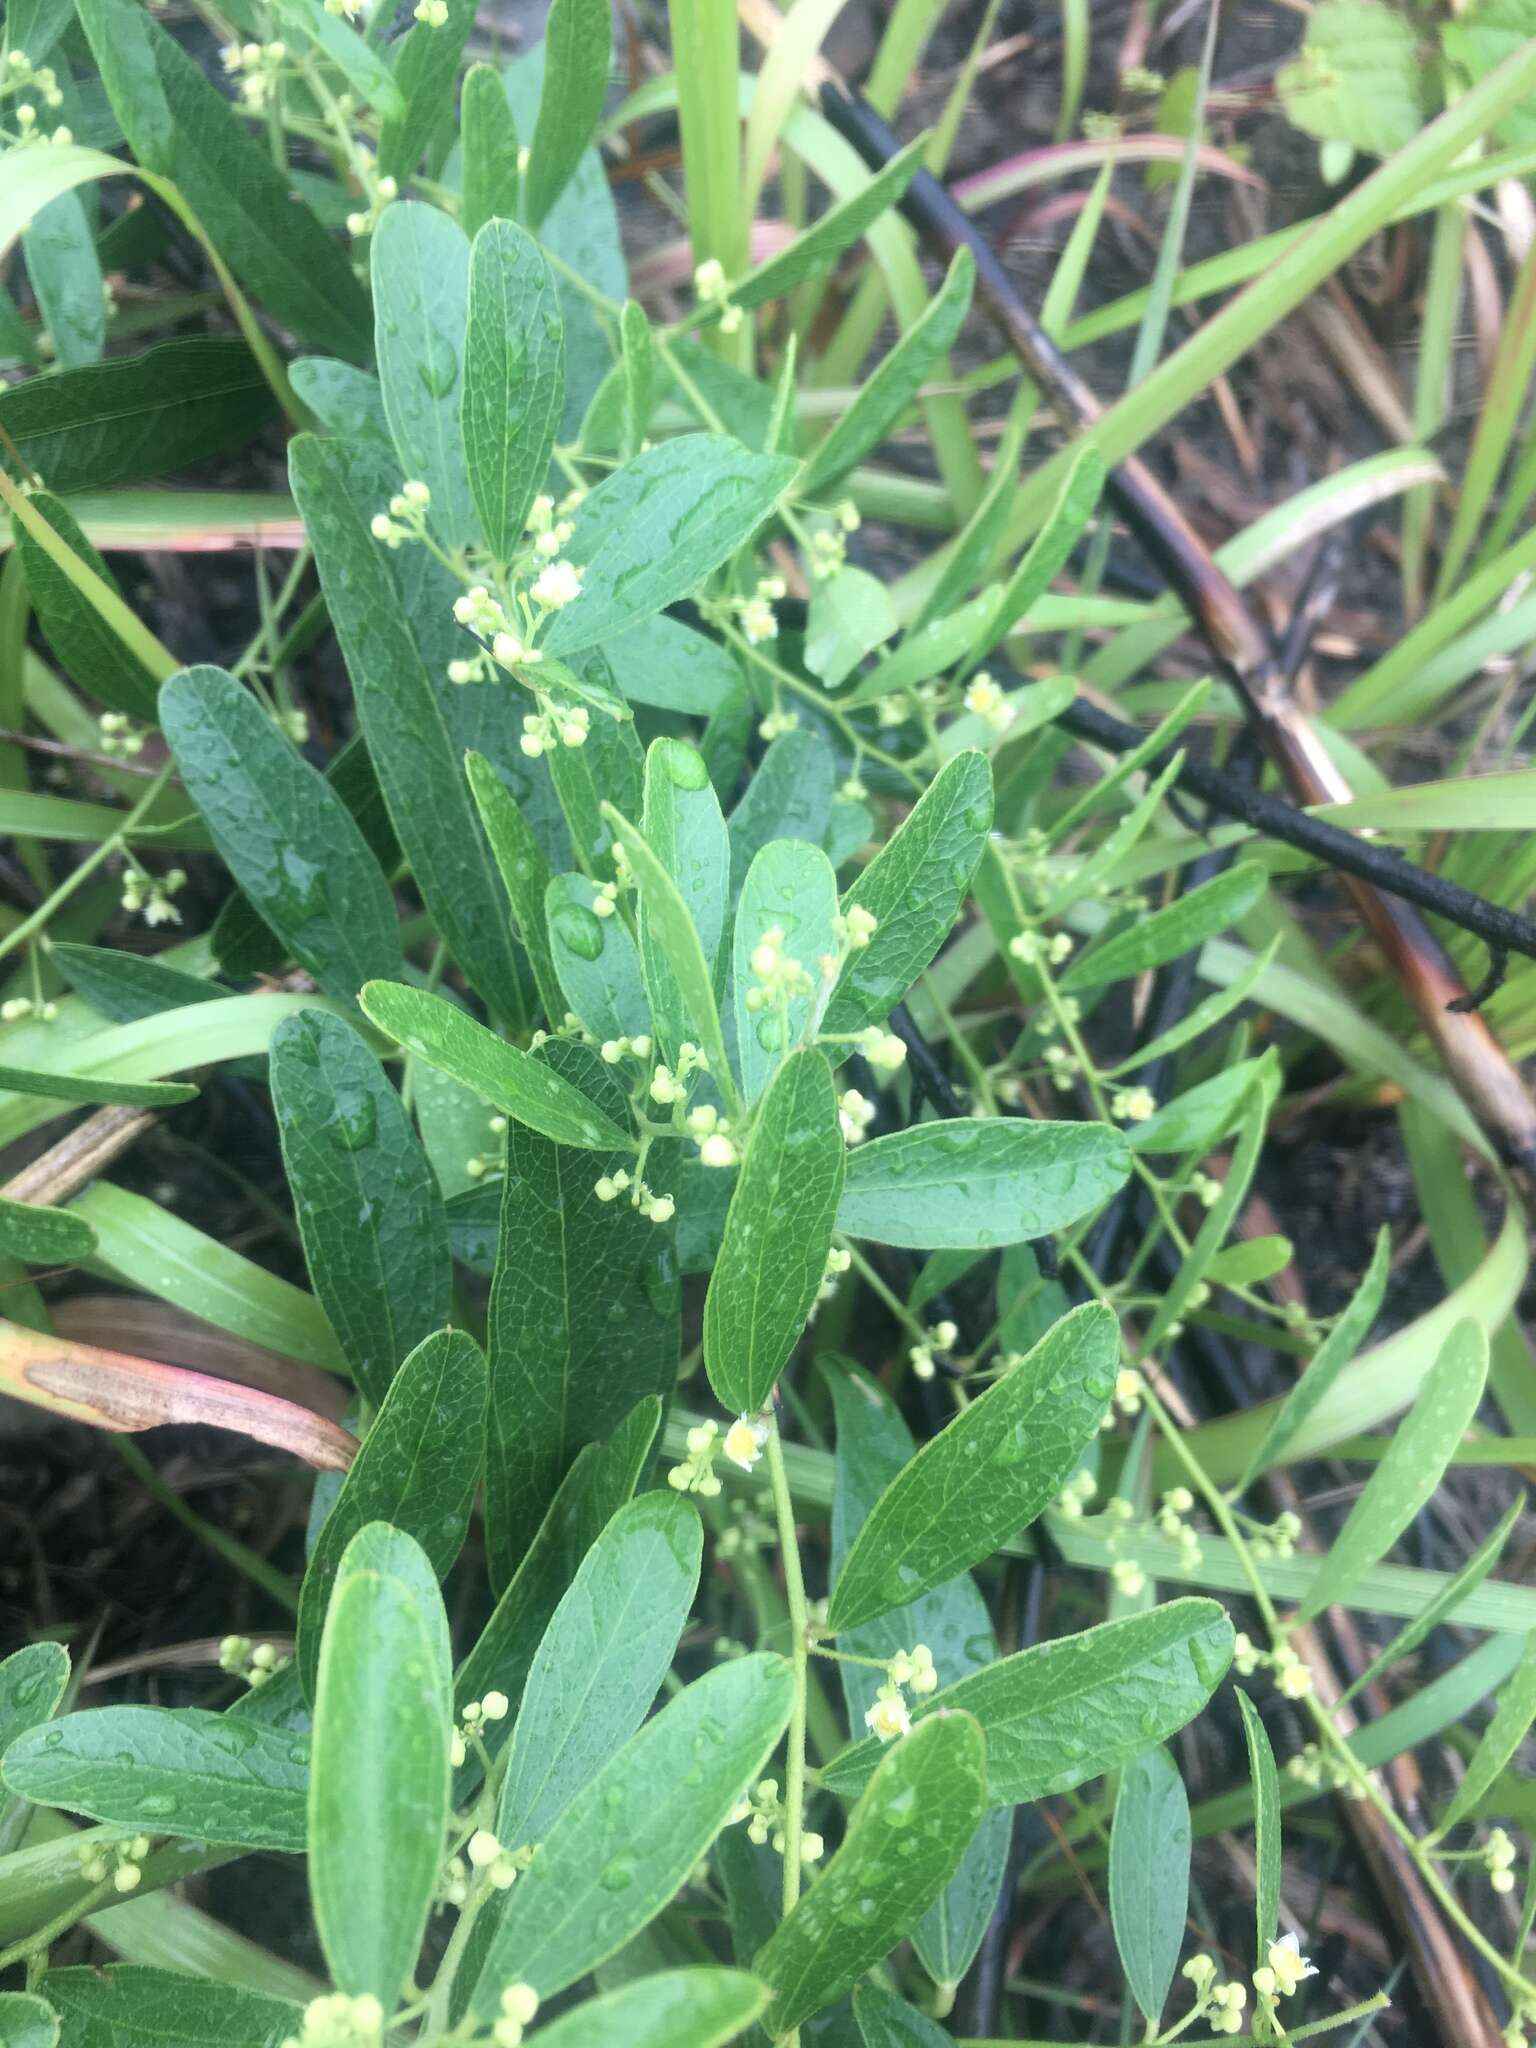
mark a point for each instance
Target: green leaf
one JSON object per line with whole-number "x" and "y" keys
{"x": 405, "y": 704}
{"x": 684, "y": 829}
{"x": 934, "y": 647}
{"x": 368, "y": 1209}
{"x": 674, "y": 2009}
{"x": 346, "y": 401}
{"x": 152, "y": 414}
{"x": 1412, "y": 1468}
{"x": 1047, "y": 555}
{"x": 778, "y": 1232}
{"x": 1361, "y": 77}
{"x": 873, "y": 1445}
{"x": 118, "y": 32}
{"x": 674, "y": 936}
{"x": 603, "y": 1659}
{"x": 170, "y": 1771}
{"x": 121, "y": 2005}
{"x": 41, "y": 1236}
{"x": 652, "y": 531}
{"x": 790, "y": 887}
{"x": 610, "y": 766}
{"x": 66, "y": 280}
{"x": 1066, "y": 1711}
{"x": 123, "y": 987}
{"x": 789, "y": 797}
{"x": 33, "y": 1681}
{"x": 666, "y": 664}
{"x": 832, "y": 232}
{"x": 578, "y": 42}
{"x": 1149, "y": 1848}
{"x": 284, "y": 834}
{"x": 630, "y": 1837}
{"x": 913, "y": 888}
{"x": 88, "y": 650}
{"x": 1203, "y": 1115}
{"x": 885, "y": 396}
{"x": 561, "y": 1374}
{"x": 420, "y": 262}
{"x": 886, "y": 2021}
{"x": 353, "y": 55}
{"x": 417, "y": 1470}
{"x": 80, "y": 1088}
{"x": 602, "y": 1478}
{"x": 379, "y": 1776}
{"x": 27, "y": 2022}
{"x": 514, "y": 379}
{"x": 929, "y": 1791}
{"x": 1266, "y": 1827}
{"x": 1179, "y": 928}
{"x": 524, "y": 871}
{"x": 979, "y": 1181}
{"x": 1329, "y": 1360}
{"x": 275, "y": 246}
{"x": 513, "y": 1082}
{"x": 488, "y": 131}
{"x": 596, "y": 962}
{"x": 1513, "y": 1712}
{"x": 425, "y": 71}
{"x": 850, "y": 614}
{"x": 988, "y": 1472}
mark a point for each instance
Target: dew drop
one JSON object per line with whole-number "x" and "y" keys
{"x": 578, "y": 929}
{"x": 618, "y": 1875}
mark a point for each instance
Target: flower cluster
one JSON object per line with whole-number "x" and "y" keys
{"x": 1030, "y": 948}
{"x": 855, "y": 1114}
{"x": 124, "y": 1863}
{"x": 1291, "y": 1674}
{"x": 1316, "y": 1768}
{"x": 756, "y": 615}
{"x": 19, "y": 75}
{"x": 152, "y": 894}
{"x": 1220, "y": 2005}
{"x": 779, "y": 975}
{"x": 433, "y": 12}
{"x": 883, "y": 1049}
{"x": 1278, "y": 1539}
{"x": 839, "y": 1259}
{"x": 406, "y": 518}
{"x": 555, "y": 725}
{"x": 1177, "y": 1502}
{"x": 777, "y": 723}
{"x": 254, "y": 1662}
{"x": 763, "y": 1812}
{"x": 855, "y": 927}
{"x": 888, "y": 1715}
{"x": 1286, "y": 1970}
{"x": 336, "y": 2021}
{"x": 1074, "y": 1497}
{"x": 14, "y": 1008}
{"x": 519, "y": 2004}
{"x": 984, "y": 698}
{"x": 612, "y": 1050}
{"x": 479, "y": 1164}
{"x": 256, "y": 65}
{"x": 653, "y": 1207}
{"x": 1127, "y": 1397}
{"x": 696, "y": 1473}
{"x": 710, "y": 286}
{"x": 940, "y": 1341}
{"x": 711, "y": 1132}
{"x": 1498, "y": 1857}
{"x": 829, "y": 544}
{"x": 1132, "y": 1105}
{"x": 472, "y": 1721}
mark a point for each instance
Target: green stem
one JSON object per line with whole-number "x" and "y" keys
{"x": 799, "y": 1650}
{"x": 113, "y": 843}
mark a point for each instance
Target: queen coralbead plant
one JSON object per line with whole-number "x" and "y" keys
{"x": 761, "y": 1169}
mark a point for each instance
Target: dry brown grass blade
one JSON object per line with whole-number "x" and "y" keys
{"x": 112, "y": 1390}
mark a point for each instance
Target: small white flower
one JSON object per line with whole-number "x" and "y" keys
{"x": 1288, "y": 1969}
{"x": 744, "y": 1441}
{"x": 887, "y": 1717}
{"x": 716, "y": 1149}
{"x": 557, "y": 584}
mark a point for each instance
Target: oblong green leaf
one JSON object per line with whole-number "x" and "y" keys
{"x": 684, "y": 828}
{"x": 368, "y": 1208}
{"x": 886, "y": 395}
{"x": 790, "y": 887}
{"x": 1149, "y": 1848}
{"x": 1183, "y": 925}
{"x": 778, "y": 1231}
{"x": 913, "y": 888}
{"x": 578, "y": 41}
{"x": 488, "y": 131}
{"x": 904, "y": 1839}
{"x": 619, "y": 1851}
{"x": 283, "y": 832}
{"x": 42, "y": 1236}
{"x": 988, "y": 1472}
{"x": 1412, "y": 1468}
{"x": 524, "y": 870}
{"x": 511, "y": 1081}
{"x": 417, "y": 1471}
{"x": 170, "y": 1771}
{"x": 514, "y": 378}
{"x": 90, "y": 653}
{"x": 379, "y": 1774}
{"x": 27, "y": 2021}
{"x": 832, "y": 231}
{"x": 886, "y": 2021}
{"x": 109, "y": 2005}
{"x": 1513, "y": 1712}
{"x": 1266, "y": 1826}
{"x": 426, "y": 69}
{"x": 33, "y": 1680}
{"x": 420, "y": 265}
{"x": 652, "y": 531}
{"x": 596, "y": 961}
{"x": 1069, "y": 1710}
{"x": 973, "y": 1182}
{"x": 568, "y": 1359}
{"x": 675, "y": 2009}
{"x": 95, "y": 1088}
{"x": 66, "y": 279}
{"x": 601, "y": 1664}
